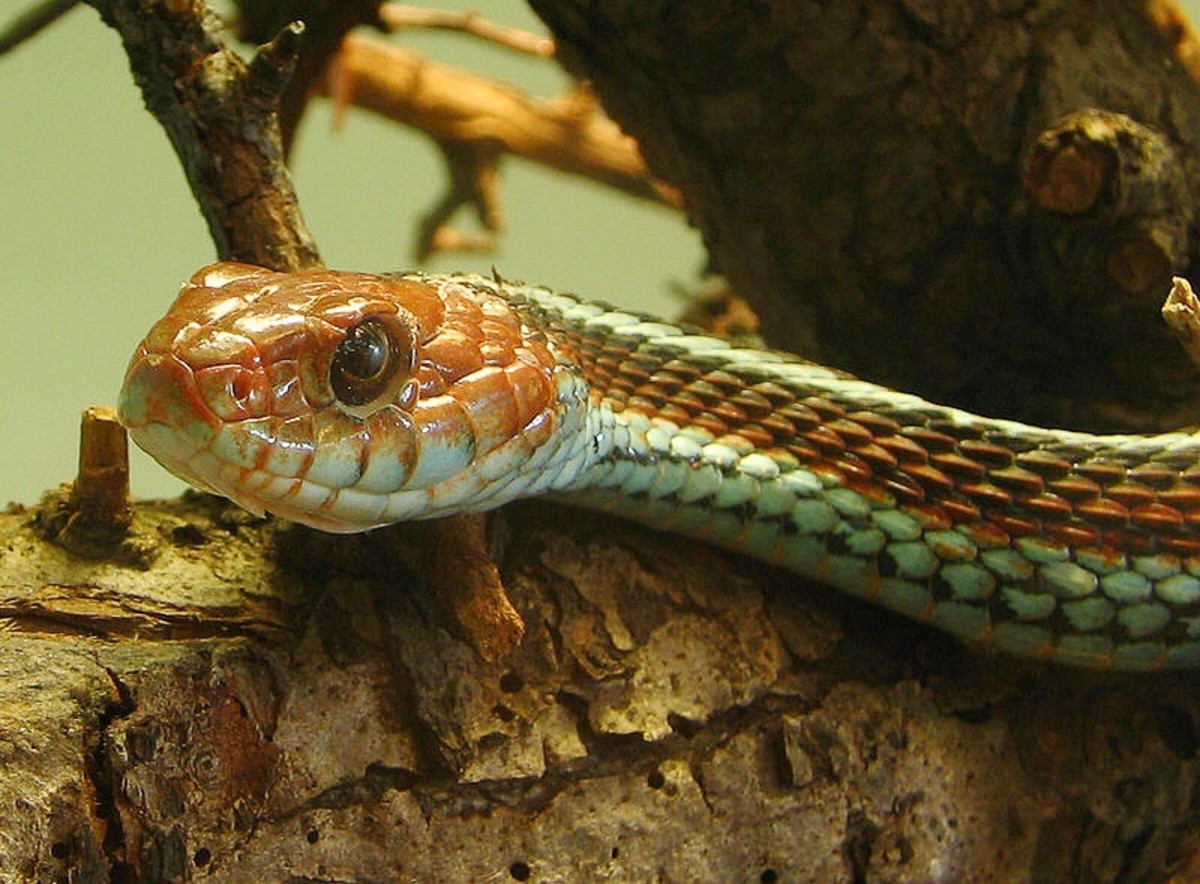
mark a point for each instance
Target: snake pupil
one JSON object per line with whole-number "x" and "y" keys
{"x": 363, "y": 363}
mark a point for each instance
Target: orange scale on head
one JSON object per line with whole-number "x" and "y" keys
{"x": 430, "y": 380}
{"x": 453, "y": 354}
{"x": 488, "y": 398}
{"x": 531, "y": 388}
{"x": 540, "y": 428}
{"x": 495, "y": 329}
{"x": 496, "y": 352}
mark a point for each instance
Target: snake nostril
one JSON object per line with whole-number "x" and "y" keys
{"x": 231, "y": 392}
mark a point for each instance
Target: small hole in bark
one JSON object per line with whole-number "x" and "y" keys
{"x": 510, "y": 682}
{"x": 615, "y": 852}
{"x": 656, "y": 780}
{"x": 187, "y": 535}
{"x": 201, "y": 857}
{"x": 504, "y": 713}
{"x": 768, "y": 876}
{"x": 519, "y": 871}
{"x": 313, "y": 836}
{"x": 58, "y": 850}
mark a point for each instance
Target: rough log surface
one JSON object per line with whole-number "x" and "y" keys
{"x": 231, "y": 699}
{"x": 249, "y": 700}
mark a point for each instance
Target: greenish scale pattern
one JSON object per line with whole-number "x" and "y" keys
{"x": 1033, "y": 595}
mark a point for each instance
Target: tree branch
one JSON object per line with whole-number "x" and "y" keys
{"x": 220, "y": 115}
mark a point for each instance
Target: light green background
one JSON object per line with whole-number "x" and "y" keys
{"x": 97, "y": 228}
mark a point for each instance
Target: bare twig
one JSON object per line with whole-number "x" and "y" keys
{"x": 476, "y": 121}
{"x": 221, "y": 117}
{"x": 473, "y": 176}
{"x": 325, "y": 26}
{"x": 32, "y": 20}
{"x": 453, "y": 105}
{"x": 396, "y": 16}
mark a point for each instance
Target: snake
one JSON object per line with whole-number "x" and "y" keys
{"x": 347, "y": 401}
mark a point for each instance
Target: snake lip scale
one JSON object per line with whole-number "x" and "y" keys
{"x": 347, "y": 401}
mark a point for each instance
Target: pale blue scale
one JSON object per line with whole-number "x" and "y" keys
{"x": 1145, "y": 619}
{"x": 334, "y": 465}
{"x": 762, "y": 538}
{"x": 758, "y": 466}
{"x": 1099, "y": 563}
{"x": 968, "y": 581}
{"x": 914, "y": 560}
{"x": 804, "y": 553}
{"x": 1041, "y": 551}
{"x": 642, "y": 480}
{"x": 671, "y": 477}
{"x": 850, "y": 504}
{"x": 649, "y": 329}
{"x": 1126, "y": 587}
{"x": 965, "y": 621}
{"x": 701, "y": 344}
{"x": 1021, "y": 638}
{"x": 897, "y": 525}
{"x": 1185, "y": 655}
{"x": 659, "y": 439}
{"x": 639, "y": 424}
{"x": 610, "y": 320}
{"x": 1090, "y": 614}
{"x": 1157, "y": 567}
{"x": 1028, "y": 606}
{"x": 851, "y": 574}
{"x": 699, "y": 434}
{"x": 1067, "y": 580}
{"x": 702, "y": 481}
{"x": 685, "y": 448}
{"x": 1139, "y": 655}
{"x": 720, "y": 454}
{"x": 802, "y": 483}
{"x": 240, "y": 445}
{"x": 1008, "y": 565}
{"x": 773, "y": 500}
{"x": 866, "y": 543}
{"x": 1085, "y": 648}
{"x": 621, "y": 437}
{"x": 814, "y": 517}
{"x": 723, "y": 527}
{"x": 951, "y": 546}
{"x": 693, "y": 520}
{"x": 1182, "y": 589}
{"x": 369, "y": 507}
{"x": 735, "y": 491}
{"x": 621, "y": 473}
{"x": 308, "y": 496}
{"x": 905, "y": 597}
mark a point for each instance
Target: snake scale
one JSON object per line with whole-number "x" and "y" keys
{"x": 348, "y": 401}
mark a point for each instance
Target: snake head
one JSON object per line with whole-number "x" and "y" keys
{"x": 344, "y": 400}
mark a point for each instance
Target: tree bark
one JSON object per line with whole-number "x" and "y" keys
{"x": 222, "y": 697}
{"x": 242, "y": 700}
{"x": 858, "y": 172}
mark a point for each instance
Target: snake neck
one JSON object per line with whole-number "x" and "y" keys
{"x": 1045, "y": 543}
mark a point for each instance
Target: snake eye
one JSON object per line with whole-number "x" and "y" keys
{"x": 371, "y": 363}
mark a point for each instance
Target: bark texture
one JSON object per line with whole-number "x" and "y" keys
{"x": 234, "y": 700}
{"x": 857, "y": 171}
{"x": 224, "y": 698}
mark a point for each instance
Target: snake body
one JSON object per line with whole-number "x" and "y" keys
{"x": 348, "y": 401}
